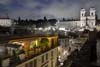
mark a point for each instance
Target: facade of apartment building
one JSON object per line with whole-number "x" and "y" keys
{"x": 31, "y": 51}
{"x": 47, "y": 59}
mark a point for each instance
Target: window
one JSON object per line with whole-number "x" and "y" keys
{"x": 92, "y": 14}
{"x": 52, "y": 54}
{"x": 46, "y": 66}
{"x": 82, "y": 24}
{"x": 30, "y": 64}
{"x": 42, "y": 59}
{"x": 51, "y": 63}
{"x": 69, "y": 49}
{"x": 27, "y": 65}
{"x": 46, "y": 56}
{"x": 57, "y": 52}
{"x": 52, "y": 42}
{"x": 60, "y": 41}
{"x": 82, "y": 14}
{"x": 35, "y": 63}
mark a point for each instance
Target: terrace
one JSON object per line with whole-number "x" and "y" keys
{"x": 20, "y": 50}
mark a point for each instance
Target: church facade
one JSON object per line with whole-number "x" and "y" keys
{"x": 85, "y": 21}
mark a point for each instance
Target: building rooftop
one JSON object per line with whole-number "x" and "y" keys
{"x": 11, "y": 37}
{"x": 13, "y": 45}
{"x": 17, "y": 45}
{"x": 70, "y": 20}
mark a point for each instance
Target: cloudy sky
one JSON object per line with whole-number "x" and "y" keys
{"x": 51, "y": 8}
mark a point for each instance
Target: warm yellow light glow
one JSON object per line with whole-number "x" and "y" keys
{"x": 22, "y": 44}
{"x": 36, "y": 43}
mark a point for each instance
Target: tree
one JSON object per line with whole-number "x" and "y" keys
{"x": 44, "y": 43}
{"x": 19, "y": 20}
{"x": 52, "y": 21}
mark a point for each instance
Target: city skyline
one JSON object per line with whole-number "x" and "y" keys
{"x": 36, "y": 9}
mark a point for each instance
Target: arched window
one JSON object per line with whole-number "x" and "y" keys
{"x": 92, "y": 14}
{"x": 82, "y": 14}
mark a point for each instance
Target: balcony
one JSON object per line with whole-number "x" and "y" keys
{"x": 25, "y": 55}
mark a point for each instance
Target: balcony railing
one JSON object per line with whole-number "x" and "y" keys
{"x": 32, "y": 54}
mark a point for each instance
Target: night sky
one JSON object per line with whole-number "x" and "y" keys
{"x": 36, "y": 9}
